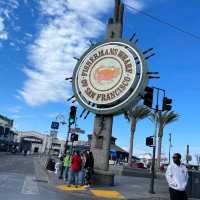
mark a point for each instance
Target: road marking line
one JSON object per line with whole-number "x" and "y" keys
{"x": 30, "y": 186}
{"x": 107, "y": 194}
{"x": 71, "y": 188}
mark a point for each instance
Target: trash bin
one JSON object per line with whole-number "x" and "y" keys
{"x": 189, "y": 184}
{"x": 193, "y": 184}
{"x": 50, "y": 164}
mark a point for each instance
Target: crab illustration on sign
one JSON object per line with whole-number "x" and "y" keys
{"x": 104, "y": 73}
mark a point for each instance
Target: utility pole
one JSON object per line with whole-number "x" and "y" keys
{"x": 103, "y": 123}
{"x": 151, "y": 190}
{"x": 170, "y": 145}
{"x": 187, "y": 154}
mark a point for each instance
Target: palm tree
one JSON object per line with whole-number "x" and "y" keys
{"x": 133, "y": 115}
{"x": 162, "y": 119}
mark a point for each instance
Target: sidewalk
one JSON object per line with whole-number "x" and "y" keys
{"x": 126, "y": 187}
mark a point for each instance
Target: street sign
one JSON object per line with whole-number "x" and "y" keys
{"x": 76, "y": 130}
{"x": 54, "y": 133}
{"x": 188, "y": 157}
{"x": 110, "y": 75}
{"x": 54, "y": 125}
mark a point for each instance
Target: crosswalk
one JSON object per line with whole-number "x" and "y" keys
{"x": 30, "y": 187}
{"x": 18, "y": 184}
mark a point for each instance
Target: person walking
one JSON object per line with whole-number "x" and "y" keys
{"x": 89, "y": 167}
{"x": 75, "y": 168}
{"x": 177, "y": 178}
{"x": 67, "y": 164}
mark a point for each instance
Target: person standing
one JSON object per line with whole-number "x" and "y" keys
{"x": 82, "y": 171}
{"x": 89, "y": 167}
{"x": 75, "y": 168}
{"x": 61, "y": 167}
{"x": 177, "y": 178}
{"x": 67, "y": 164}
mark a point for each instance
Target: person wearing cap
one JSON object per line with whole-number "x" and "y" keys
{"x": 177, "y": 178}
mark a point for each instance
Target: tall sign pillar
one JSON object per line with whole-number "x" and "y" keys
{"x": 102, "y": 134}
{"x": 109, "y": 77}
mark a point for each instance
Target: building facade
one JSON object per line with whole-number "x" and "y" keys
{"x": 35, "y": 142}
{"x": 6, "y": 133}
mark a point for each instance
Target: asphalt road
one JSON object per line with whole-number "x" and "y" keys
{"x": 20, "y": 179}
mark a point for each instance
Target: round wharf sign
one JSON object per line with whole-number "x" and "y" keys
{"x": 109, "y": 76}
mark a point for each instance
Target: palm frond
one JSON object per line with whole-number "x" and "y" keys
{"x": 126, "y": 115}
{"x": 164, "y": 118}
{"x": 138, "y": 112}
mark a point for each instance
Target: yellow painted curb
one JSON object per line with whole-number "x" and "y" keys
{"x": 107, "y": 194}
{"x": 71, "y": 188}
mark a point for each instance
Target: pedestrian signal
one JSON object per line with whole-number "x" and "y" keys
{"x": 74, "y": 137}
{"x": 149, "y": 141}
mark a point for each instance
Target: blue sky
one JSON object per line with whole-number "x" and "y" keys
{"x": 39, "y": 38}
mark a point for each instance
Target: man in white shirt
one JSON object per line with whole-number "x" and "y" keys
{"x": 177, "y": 177}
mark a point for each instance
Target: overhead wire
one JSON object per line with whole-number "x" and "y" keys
{"x": 163, "y": 22}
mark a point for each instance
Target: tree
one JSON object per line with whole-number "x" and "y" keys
{"x": 162, "y": 119}
{"x": 133, "y": 115}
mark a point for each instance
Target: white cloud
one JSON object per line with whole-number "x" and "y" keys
{"x": 137, "y": 4}
{"x": 3, "y": 33}
{"x": 6, "y": 9}
{"x": 70, "y": 25}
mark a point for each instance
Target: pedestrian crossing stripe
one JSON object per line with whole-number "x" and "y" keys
{"x": 71, "y": 188}
{"x": 107, "y": 194}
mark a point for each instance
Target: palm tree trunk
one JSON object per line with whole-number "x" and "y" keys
{"x": 133, "y": 126}
{"x": 160, "y": 136}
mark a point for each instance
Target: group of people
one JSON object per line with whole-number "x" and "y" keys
{"x": 78, "y": 168}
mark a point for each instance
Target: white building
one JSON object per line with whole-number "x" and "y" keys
{"x": 6, "y": 134}
{"x": 146, "y": 158}
{"x": 36, "y": 142}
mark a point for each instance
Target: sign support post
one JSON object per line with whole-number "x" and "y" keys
{"x": 102, "y": 134}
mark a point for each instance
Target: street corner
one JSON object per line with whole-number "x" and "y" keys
{"x": 110, "y": 194}
{"x": 71, "y": 188}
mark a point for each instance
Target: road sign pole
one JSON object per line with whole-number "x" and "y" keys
{"x": 151, "y": 190}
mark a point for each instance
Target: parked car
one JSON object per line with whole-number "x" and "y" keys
{"x": 138, "y": 165}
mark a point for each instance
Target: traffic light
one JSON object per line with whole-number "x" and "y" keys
{"x": 166, "y": 104}
{"x": 74, "y": 137}
{"x": 148, "y": 97}
{"x": 72, "y": 115}
{"x": 149, "y": 141}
